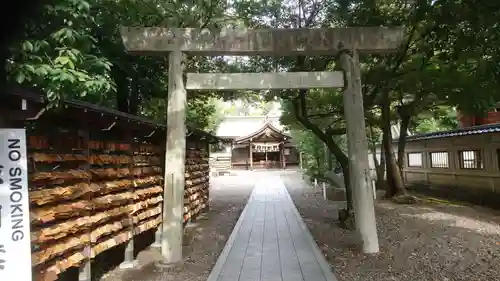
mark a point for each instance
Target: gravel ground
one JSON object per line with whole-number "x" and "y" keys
{"x": 432, "y": 241}
{"x": 203, "y": 240}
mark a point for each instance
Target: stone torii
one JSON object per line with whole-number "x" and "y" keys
{"x": 176, "y": 42}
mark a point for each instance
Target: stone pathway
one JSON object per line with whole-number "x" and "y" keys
{"x": 270, "y": 242}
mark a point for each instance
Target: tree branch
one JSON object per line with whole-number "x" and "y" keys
{"x": 322, "y": 115}
{"x": 334, "y": 148}
{"x": 302, "y": 99}
{"x": 336, "y": 131}
{"x": 314, "y": 12}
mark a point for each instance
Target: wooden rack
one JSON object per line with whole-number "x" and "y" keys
{"x": 95, "y": 198}
{"x": 196, "y": 190}
{"x": 89, "y": 196}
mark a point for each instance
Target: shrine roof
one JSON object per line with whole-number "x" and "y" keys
{"x": 235, "y": 127}
{"x": 268, "y": 129}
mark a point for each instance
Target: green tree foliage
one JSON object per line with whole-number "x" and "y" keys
{"x": 59, "y": 54}
{"x": 316, "y": 161}
{"x": 74, "y": 50}
{"x": 313, "y": 159}
{"x": 442, "y": 118}
{"x": 202, "y": 113}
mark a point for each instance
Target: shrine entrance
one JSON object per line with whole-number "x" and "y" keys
{"x": 266, "y": 148}
{"x": 345, "y": 43}
{"x": 264, "y": 158}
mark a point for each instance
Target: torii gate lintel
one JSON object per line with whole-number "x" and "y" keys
{"x": 257, "y": 42}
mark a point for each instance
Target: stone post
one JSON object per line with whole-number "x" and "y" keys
{"x": 175, "y": 154}
{"x": 359, "y": 171}
{"x": 157, "y": 242}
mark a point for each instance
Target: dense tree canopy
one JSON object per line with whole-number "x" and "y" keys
{"x": 73, "y": 49}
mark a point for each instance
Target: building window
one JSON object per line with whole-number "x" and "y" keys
{"x": 470, "y": 159}
{"x": 439, "y": 160}
{"x": 415, "y": 159}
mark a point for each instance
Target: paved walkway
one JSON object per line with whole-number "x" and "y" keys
{"x": 270, "y": 241}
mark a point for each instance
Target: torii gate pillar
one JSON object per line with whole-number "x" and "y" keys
{"x": 357, "y": 144}
{"x": 175, "y": 157}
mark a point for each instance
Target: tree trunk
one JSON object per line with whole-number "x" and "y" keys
{"x": 329, "y": 159}
{"x": 373, "y": 149}
{"x": 394, "y": 181}
{"x": 382, "y": 163}
{"x": 344, "y": 163}
{"x": 405, "y": 124}
{"x": 347, "y": 183}
{"x": 380, "y": 184}
{"x": 347, "y": 216}
{"x": 377, "y": 164}
{"x": 318, "y": 164}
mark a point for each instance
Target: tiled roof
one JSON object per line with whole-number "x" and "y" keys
{"x": 267, "y": 125}
{"x": 240, "y": 126}
{"x": 475, "y": 130}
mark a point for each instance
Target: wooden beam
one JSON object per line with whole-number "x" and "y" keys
{"x": 272, "y": 41}
{"x": 263, "y": 81}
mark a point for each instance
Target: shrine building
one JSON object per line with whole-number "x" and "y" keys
{"x": 257, "y": 142}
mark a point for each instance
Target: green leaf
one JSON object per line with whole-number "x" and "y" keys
{"x": 27, "y": 46}
{"x": 20, "y": 78}
{"x": 65, "y": 61}
{"x": 30, "y": 68}
{"x": 42, "y": 70}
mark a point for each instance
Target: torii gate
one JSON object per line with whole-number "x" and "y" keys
{"x": 250, "y": 42}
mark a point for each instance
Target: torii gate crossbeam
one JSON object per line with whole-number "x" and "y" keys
{"x": 252, "y": 42}
{"x": 264, "y": 81}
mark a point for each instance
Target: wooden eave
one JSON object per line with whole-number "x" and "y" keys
{"x": 267, "y": 127}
